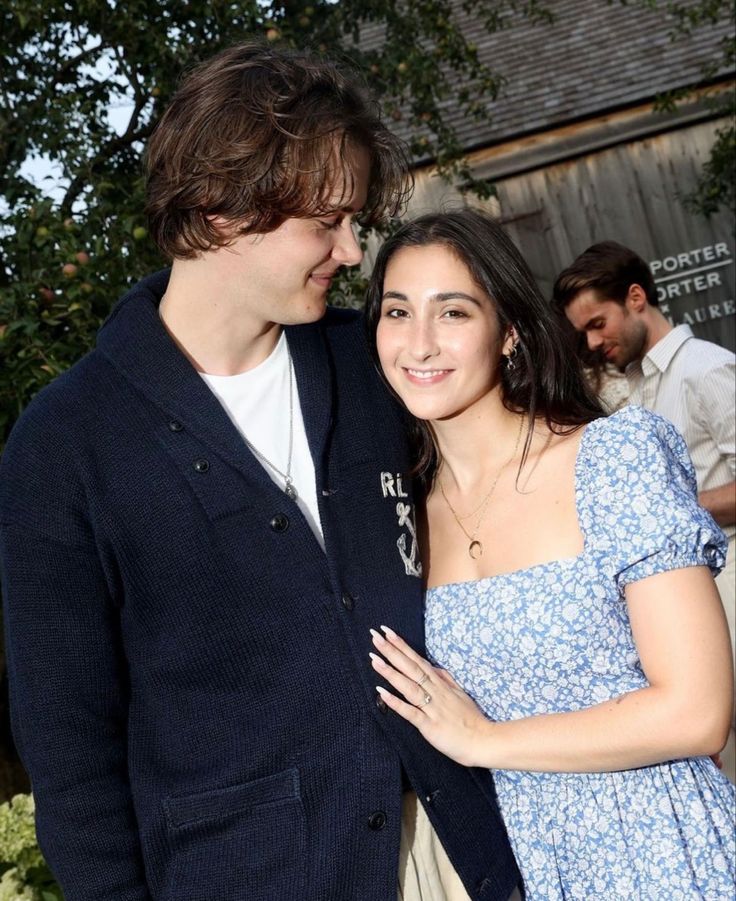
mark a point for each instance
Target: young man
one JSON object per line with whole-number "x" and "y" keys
{"x": 202, "y": 520}
{"x": 609, "y": 294}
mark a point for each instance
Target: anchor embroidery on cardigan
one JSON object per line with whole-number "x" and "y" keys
{"x": 391, "y": 486}
{"x": 412, "y": 566}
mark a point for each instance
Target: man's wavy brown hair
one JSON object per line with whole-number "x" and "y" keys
{"x": 255, "y": 136}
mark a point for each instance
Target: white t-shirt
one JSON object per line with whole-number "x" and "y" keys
{"x": 257, "y": 402}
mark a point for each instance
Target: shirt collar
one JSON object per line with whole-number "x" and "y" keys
{"x": 660, "y": 356}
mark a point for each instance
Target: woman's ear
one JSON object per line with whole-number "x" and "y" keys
{"x": 510, "y": 342}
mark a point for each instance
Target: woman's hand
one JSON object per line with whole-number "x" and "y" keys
{"x": 679, "y": 626}
{"x": 435, "y": 703}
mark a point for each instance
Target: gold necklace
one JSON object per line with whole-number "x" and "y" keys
{"x": 475, "y": 547}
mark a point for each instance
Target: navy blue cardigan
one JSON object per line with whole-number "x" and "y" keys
{"x": 190, "y": 684}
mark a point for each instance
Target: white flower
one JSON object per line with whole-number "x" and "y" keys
{"x": 13, "y": 889}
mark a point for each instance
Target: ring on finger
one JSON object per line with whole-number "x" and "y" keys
{"x": 423, "y": 679}
{"x": 425, "y": 700}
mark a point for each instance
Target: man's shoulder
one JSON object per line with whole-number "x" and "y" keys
{"x": 706, "y": 353}
{"x": 342, "y": 317}
{"x": 150, "y": 287}
{"x": 354, "y": 364}
{"x": 38, "y": 468}
{"x": 698, "y": 357}
{"x": 345, "y": 328}
{"x": 704, "y": 374}
{"x": 58, "y": 413}
{"x": 64, "y": 407}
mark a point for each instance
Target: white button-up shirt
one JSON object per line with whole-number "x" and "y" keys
{"x": 693, "y": 384}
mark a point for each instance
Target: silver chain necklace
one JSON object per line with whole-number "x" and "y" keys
{"x": 289, "y": 487}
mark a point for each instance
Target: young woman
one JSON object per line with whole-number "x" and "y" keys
{"x": 580, "y": 646}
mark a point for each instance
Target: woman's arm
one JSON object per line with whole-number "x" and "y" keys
{"x": 680, "y": 632}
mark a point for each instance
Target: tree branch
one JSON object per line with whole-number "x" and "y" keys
{"x": 106, "y": 153}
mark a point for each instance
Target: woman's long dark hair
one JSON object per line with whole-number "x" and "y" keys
{"x": 546, "y": 379}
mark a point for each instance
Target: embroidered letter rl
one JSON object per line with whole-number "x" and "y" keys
{"x": 391, "y": 486}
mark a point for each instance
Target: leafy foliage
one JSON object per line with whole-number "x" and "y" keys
{"x": 25, "y": 876}
{"x": 716, "y": 186}
{"x": 65, "y": 66}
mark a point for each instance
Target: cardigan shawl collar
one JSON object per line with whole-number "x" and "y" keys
{"x": 135, "y": 341}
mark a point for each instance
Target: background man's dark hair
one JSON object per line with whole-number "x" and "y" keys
{"x": 607, "y": 268}
{"x": 255, "y": 136}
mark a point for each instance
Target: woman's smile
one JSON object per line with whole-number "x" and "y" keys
{"x": 438, "y": 337}
{"x": 426, "y": 376}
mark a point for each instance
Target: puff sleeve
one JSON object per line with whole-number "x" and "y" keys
{"x": 637, "y": 497}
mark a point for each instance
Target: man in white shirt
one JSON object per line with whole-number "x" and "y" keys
{"x": 609, "y": 294}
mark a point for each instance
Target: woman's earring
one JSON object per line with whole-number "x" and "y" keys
{"x": 511, "y": 357}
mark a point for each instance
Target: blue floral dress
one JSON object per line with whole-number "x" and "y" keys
{"x": 556, "y": 637}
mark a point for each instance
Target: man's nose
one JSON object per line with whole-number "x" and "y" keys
{"x": 594, "y": 341}
{"x": 347, "y": 250}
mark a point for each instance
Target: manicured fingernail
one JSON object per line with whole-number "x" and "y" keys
{"x": 377, "y": 635}
{"x": 389, "y": 632}
{"x": 376, "y": 659}
{"x": 381, "y": 691}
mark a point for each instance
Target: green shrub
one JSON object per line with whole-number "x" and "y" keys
{"x": 25, "y": 876}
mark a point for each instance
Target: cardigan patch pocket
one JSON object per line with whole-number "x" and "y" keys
{"x": 230, "y": 839}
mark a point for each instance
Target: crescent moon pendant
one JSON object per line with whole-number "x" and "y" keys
{"x": 475, "y": 549}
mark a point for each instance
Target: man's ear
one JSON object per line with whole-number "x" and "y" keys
{"x": 636, "y": 299}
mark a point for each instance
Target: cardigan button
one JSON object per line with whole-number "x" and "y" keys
{"x": 377, "y": 820}
{"x": 175, "y": 426}
{"x": 201, "y": 465}
{"x": 348, "y": 601}
{"x": 432, "y": 797}
{"x": 279, "y": 523}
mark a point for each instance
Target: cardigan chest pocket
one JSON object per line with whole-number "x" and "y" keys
{"x": 243, "y": 841}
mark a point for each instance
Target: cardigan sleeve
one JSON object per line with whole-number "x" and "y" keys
{"x": 67, "y": 677}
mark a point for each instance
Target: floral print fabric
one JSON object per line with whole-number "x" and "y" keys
{"x": 556, "y": 637}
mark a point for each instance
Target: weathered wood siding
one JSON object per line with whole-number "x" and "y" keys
{"x": 632, "y": 193}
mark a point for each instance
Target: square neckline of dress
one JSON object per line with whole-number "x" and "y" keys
{"x": 559, "y": 561}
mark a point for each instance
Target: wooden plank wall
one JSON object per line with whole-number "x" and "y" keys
{"x": 631, "y": 193}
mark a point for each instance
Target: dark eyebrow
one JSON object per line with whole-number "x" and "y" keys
{"x": 590, "y": 322}
{"x": 442, "y": 296}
